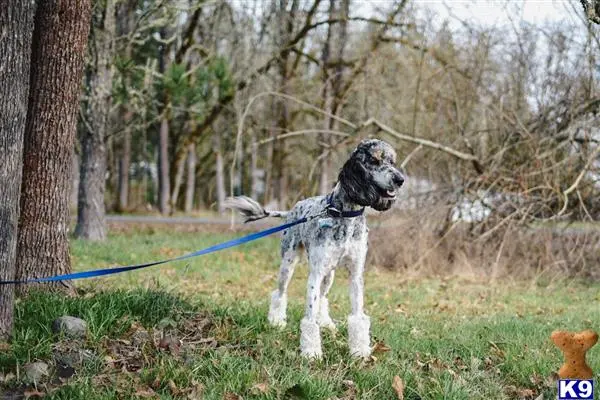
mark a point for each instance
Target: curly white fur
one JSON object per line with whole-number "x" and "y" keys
{"x": 358, "y": 335}
{"x": 310, "y": 339}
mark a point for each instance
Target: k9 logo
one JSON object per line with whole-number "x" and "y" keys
{"x": 574, "y": 389}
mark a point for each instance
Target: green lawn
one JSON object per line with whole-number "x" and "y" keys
{"x": 452, "y": 338}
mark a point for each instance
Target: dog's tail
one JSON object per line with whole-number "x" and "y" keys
{"x": 250, "y": 208}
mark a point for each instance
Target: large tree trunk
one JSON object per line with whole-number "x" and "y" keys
{"x": 16, "y": 19}
{"x": 57, "y": 60}
{"x": 91, "y": 211}
{"x": 191, "y": 179}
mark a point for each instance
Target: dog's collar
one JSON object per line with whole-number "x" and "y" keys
{"x": 335, "y": 213}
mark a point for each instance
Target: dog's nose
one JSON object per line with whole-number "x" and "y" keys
{"x": 398, "y": 179}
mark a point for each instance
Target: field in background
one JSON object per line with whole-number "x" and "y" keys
{"x": 454, "y": 337}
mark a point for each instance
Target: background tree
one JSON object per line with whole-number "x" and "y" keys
{"x": 17, "y": 18}
{"x": 91, "y": 222}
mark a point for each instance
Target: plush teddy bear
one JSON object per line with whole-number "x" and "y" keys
{"x": 574, "y": 346}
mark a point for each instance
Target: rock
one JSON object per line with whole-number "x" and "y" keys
{"x": 36, "y": 371}
{"x": 73, "y": 357}
{"x": 70, "y": 326}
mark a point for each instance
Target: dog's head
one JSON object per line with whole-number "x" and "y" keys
{"x": 370, "y": 177}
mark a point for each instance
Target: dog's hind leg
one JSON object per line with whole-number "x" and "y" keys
{"x": 324, "y": 319}
{"x": 278, "y": 308}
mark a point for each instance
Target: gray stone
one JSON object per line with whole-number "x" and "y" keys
{"x": 73, "y": 357}
{"x": 36, "y": 371}
{"x": 70, "y": 326}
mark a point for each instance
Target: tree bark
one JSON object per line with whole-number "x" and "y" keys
{"x": 124, "y": 163}
{"x": 286, "y": 29}
{"x": 163, "y": 167}
{"x": 253, "y": 165}
{"x": 16, "y": 19}
{"x": 191, "y": 179}
{"x": 57, "y": 59}
{"x": 337, "y": 36}
{"x": 164, "y": 187}
{"x": 219, "y": 172}
{"x": 124, "y": 24}
{"x": 91, "y": 223}
{"x": 178, "y": 181}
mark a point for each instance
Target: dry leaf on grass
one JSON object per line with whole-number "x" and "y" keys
{"x": 32, "y": 393}
{"x": 398, "y": 386}
{"x": 381, "y": 347}
{"x": 260, "y": 388}
{"x": 350, "y": 390}
{"x": 525, "y": 393}
{"x": 232, "y": 396}
{"x": 173, "y": 388}
{"x": 145, "y": 393}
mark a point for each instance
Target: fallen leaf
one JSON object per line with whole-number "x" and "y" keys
{"x": 173, "y": 388}
{"x": 350, "y": 390}
{"x": 398, "y": 386}
{"x": 232, "y": 396}
{"x": 145, "y": 393}
{"x": 381, "y": 347}
{"x": 32, "y": 393}
{"x": 4, "y": 346}
{"x": 525, "y": 393}
{"x": 260, "y": 388}
{"x": 7, "y": 378}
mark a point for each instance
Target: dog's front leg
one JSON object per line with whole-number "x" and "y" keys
{"x": 310, "y": 335}
{"x": 358, "y": 322}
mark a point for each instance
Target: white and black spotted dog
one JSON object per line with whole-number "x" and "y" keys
{"x": 338, "y": 236}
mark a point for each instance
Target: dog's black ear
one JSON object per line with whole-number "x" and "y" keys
{"x": 356, "y": 181}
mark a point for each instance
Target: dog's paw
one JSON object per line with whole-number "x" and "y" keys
{"x": 277, "y": 322}
{"x": 310, "y": 339}
{"x": 358, "y": 335}
{"x": 312, "y": 354}
{"x": 361, "y": 352}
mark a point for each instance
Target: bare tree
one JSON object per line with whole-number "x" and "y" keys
{"x": 164, "y": 190}
{"x": 337, "y": 36}
{"x": 58, "y": 49}
{"x": 91, "y": 222}
{"x": 190, "y": 183}
{"x": 17, "y": 18}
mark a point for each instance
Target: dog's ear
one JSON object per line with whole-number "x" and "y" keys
{"x": 355, "y": 180}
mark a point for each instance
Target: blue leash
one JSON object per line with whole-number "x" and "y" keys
{"x": 117, "y": 270}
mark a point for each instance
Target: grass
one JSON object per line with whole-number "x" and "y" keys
{"x": 454, "y": 338}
